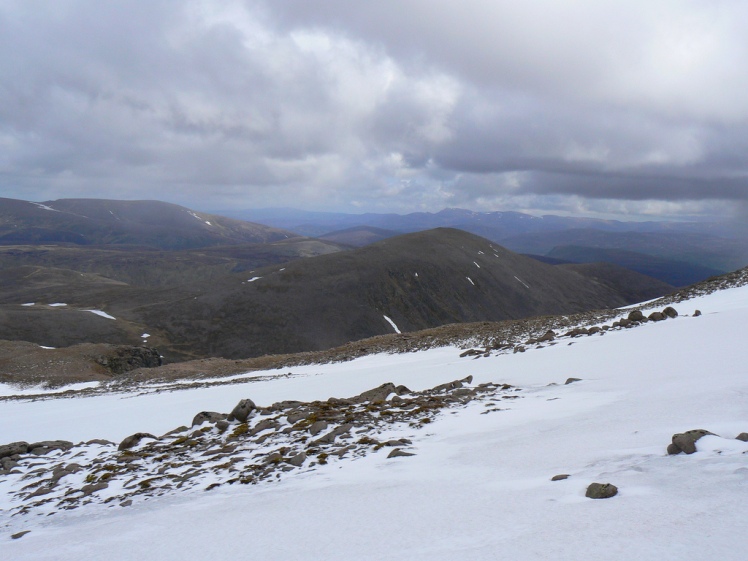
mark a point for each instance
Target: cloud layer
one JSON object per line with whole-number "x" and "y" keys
{"x": 625, "y": 107}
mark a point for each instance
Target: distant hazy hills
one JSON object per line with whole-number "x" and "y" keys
{"x": 140, "y": 223}
{"x": 710, "y": 247}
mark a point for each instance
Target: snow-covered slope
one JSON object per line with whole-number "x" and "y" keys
{"x": 479, "y": 485}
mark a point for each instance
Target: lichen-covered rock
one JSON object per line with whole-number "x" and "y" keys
{"x": 243, "y": 410}
{"x": 686, "y": 441}
{"x": 207, "y": 416}
{"x": 601, "y": 491}
{"x": 133, "y": 440}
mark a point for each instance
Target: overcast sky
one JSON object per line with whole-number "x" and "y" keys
{"x": 627, "y": 108}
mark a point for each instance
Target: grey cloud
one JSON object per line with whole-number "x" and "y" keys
{"x": 386, "y": 105}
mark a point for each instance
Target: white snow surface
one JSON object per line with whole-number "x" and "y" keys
{"x": 479, "y": 485}
{"x": 253, "y": 279}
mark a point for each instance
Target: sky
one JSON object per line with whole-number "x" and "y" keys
{"x": 625, "y": 108}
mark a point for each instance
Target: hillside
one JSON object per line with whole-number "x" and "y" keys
{"x": 211, "y": 302}
{"x": 418, "y": 455}
{"x": 152, "y": 224}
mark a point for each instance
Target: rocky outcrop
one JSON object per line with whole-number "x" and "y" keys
{"x": 125, "y": 359}
{"x": 133, "y": 440}
{"x": 242, "y": 410}
{"x": 686, "y": 442}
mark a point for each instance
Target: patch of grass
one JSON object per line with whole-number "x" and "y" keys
{"x": 322, "y": 458}
{"x": 239, "y": 430}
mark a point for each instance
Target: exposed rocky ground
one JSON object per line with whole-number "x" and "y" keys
{"x": 247, "y": 446}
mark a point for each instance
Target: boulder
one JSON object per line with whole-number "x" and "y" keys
{"x": 560, "y": 477}
{"x": 317, "y": 427}
{"x": 207, "y": 416}
{"x": 686, "y": 441}
{"x": 657, "y": 316}
{"x": 550, "y": 335}
{"x": 133, "y": 440}
{"x": 636, "y": 315}
{"x": 742, "y": 436}
{"x": 697, "y": 313}
{"x": 242, "y": 410}
{"x": 670, "y": 312}
{"x": 377, "y": 394}
{"x": 601, "y": 491}
{"x": 39, "y": 448}
{"x": 13, "y": 448}
{"x": 297, "y": 460}
{"x": 623, "y": 322}
{"x": 594, "y": 330}
{"x": 571, "y": 381}
{"x": 398, "y": 453}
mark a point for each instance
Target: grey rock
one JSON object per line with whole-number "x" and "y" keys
{"x": 560, "y": 477}
{"x": 222, "y": 425}
{"x": 317, "y": 427}
{"x": 265, "y": 424}
{"x": 243, "y": 410}
{"x": 296, "y": 416}
{"x": 41, "y": 491}
{"x": 686, "y": 441}
{"x": 471, "y": 352}
{"x": 40, "y": 448}
{"x": 697, "y": 313}
{"x": 571, "y": 381}
{"x": 594, "y": 330}
{"x": 672, "y": 449}
{"x": 297, "y": 460}
{"x": 13, "y": 448}
{"x": 207, "y": 416}
{"x": 128, "y": 502}
{"x": 601, "y": 491}
{"x": 401, "y": 390}
{"x": 133, "y": 440}
{"x": 377, "y": 394}
{"x": 398, "y": 453}
{"x": 742, "y": 436}
{"x": 93, "y": 487}
{"x": 670, "y": 312}
{"x": 657, "y": 316}
{"x": 19, "y": 534}
{"x": 623, "y": 322}
{"x": 101, "y": 442}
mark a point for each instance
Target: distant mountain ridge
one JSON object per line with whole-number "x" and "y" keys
{"x": 140, "y": 223}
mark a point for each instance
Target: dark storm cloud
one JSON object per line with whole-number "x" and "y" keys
{"x": 380, "y": 105}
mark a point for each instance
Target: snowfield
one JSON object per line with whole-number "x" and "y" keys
{"x": 479, "y": 485}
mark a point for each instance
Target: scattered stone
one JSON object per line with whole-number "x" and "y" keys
{"x": 92, "y": 488}
{"x": 242, "y": 410}
{"x": 222, "y": 425}
{"x": 560, "y": 477}
{"x": 398, "y": 453}
{"x": 697, "y": 313}
{"x": 128, "y": 502}
{"x": 571, "y": 381}
{"x": 471, "y": 352}
{"x": 550, "y": 335}
{"x": 657, "y": 316}
{"x": 601, "y": 491}
{"x": 133, "y": 440}
{"x": 19, "y": 534}
{"x": 207, "y": 416}
{"x": 594, "y": 330}
{"x": 686, "y": 441}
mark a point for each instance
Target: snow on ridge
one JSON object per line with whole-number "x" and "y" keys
{"x": 523, "y": 282}
{"x": 392, "y": 323}
{"x": 45, "y": 207}
{"x": 101, "y": 313}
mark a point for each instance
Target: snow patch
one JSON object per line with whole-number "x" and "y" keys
{"x": 471, "y": 280}
{"x": 253, "y": 279}
{"x": 392, "y": 323}
{"x": 57, "y": 305}
{"x": 523, "y": 282}
{"x": 476, "y": 264}
{"x": 45, "y": 207}
{"x": 101, "y": 313}
{"x": 28, "y": 304}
